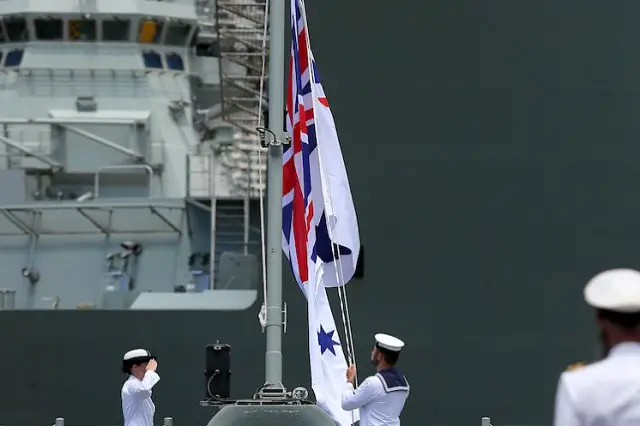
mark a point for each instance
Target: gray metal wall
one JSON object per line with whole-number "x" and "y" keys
{"x": 73, "y": 268}
{"x": 121, "y": 89}
{"x": 492, "y": 153}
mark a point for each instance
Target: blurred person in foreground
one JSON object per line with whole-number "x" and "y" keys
{"x": 607, "y": 392}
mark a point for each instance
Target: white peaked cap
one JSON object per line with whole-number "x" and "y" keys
{"x": 136, "y": 353}
{"x": 615, "y": 290}
{"x": 389, "y": 342}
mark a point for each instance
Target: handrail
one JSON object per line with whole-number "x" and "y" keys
{"x": 86, "y": 120}
{"x": 96, "y": 181}
{"x": 92, "y": 72}
{"x": 27, "y": 152}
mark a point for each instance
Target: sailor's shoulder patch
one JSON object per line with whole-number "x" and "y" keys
{"x": 576, "y": 366}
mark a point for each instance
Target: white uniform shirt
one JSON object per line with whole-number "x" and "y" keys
{"x": 377, "y": 406}
{"x": 605, "y": 393}
{"x": 137, "y": 406}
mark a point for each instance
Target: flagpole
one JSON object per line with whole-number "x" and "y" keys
{"x": 274, "y": 326}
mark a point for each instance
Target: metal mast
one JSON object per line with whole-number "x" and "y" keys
{"x": 274, "y": 328}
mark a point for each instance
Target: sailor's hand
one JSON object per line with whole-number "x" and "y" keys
{"x": 152, "y": 365}
{"x": 351, "y": 373}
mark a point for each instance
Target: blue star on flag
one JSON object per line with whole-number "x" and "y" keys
{"x": 326, "y": 342}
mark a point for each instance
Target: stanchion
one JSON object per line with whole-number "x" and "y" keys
{"x": 486, "y": 421}
{"x": 168, "y": 421}
{"x": 59, "y": 421}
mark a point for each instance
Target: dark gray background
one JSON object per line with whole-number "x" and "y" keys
{"x": 492, "y": 148}
{"x": 493, "y": 153}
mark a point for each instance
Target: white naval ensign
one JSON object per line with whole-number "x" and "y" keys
{"x": 607, "y": 392}
{"x": 380, "y": 397}
{"x": 137, "y": 407}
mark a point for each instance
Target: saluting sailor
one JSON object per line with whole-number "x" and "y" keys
{"x": 380, "y": 397}
{"x": 137, "y": 406}
{"x": 607, "y": 392}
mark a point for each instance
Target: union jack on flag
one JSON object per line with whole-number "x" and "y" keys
{"x": 319, "y": 224}
{"x": 319, "y": 218}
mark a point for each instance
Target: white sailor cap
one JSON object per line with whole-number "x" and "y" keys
{"x": 137, "y": 354}
{"x": 389, "y": 343}
{"x": 615, "y": 290}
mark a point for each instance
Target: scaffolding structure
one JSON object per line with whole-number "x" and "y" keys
{"x": 238, "y": 27}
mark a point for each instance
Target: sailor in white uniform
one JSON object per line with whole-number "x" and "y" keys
{"x": 380, "y": 397}
{"x": 137, "y": 406}
{"x": 607, "y": 392}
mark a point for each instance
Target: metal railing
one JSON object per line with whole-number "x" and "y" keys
{"x": 22, "y": 138}
{"x": 168, "y": 421}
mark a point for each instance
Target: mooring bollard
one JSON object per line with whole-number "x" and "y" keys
{"x": 486, "y": 421}
{"x": 59, "y": 421}
{"x": 168, "y": 421}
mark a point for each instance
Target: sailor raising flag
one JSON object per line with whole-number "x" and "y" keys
{"x": 319, "y": 225}
{"x": 380, "y": 397}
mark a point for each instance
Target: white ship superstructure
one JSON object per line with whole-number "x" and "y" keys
{"x": 128, "y": 154}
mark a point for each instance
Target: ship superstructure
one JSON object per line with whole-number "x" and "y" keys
{"x": 129, "y": 166}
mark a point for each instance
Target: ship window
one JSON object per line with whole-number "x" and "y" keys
{"x": 177, "y": 34}
{"x": 152, "y": 59}
{"x": 48, "y": 29}
{"x": 82, "y": 30}
{"x": 150, "y": 31}
{"x": 175, "y": 62}
{"x": 3, "y": 35}
{"x": 208, "y": 49}
{"x": 14, "y": 58}
{"x": 1, "y": 56}
{"x": 116, "y": 30}
{"x": 16, "y": 28}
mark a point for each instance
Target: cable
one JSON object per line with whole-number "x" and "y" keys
{"x": 211, "y": 395}
{"x": 262, "y": 317}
